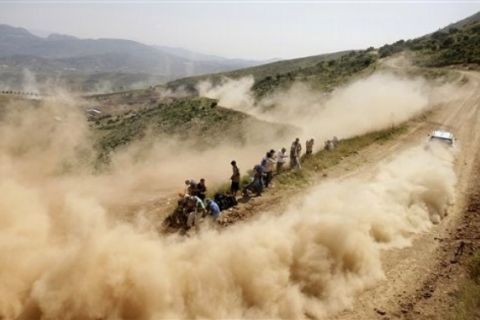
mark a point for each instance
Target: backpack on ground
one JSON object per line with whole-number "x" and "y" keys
{"x": 225, "y": 201}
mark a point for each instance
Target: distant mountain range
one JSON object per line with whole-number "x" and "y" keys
{"x": 67, "y": 56}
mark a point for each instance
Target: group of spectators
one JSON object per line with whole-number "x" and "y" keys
{"x": 194, "y": 204}
{"x": 273, "y": 162}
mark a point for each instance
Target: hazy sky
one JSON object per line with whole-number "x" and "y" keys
{"x": 241, "y": 29}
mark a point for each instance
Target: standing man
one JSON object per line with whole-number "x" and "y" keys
{"x": 309, "y": 147}
{"x": 295, "y": 152}
{"x": 270, "y": 167}
{"x": 335, "y": 141}
{"x": 190, "y": 187}
{"x": 257, "y": 183}
{"x": 235, "y": 186}
{"x": 264, "y": 164}
{"x": 292, "y": 155}
{"x": 281, "y": 159}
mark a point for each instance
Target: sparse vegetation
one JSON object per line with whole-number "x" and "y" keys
{"x": 390, "y": 49}
{"x": 198, "y": 119}
{"x": 323, "y": 159}
{"x": 327, "y": 158}
{"x": 445, "y": 47}
{"x": 468, "y": 306}
{"x": 442, "y": 48}
{"x": 324, "y": 75}
{"x": 322, "y": 72}
{"x": 260, "y": 72}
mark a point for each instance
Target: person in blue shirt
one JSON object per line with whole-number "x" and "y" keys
{"x": 213, "y": 209}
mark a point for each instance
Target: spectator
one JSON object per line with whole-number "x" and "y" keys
{"x": 201, "y": 189}
{"x": 309, "y": 147}
{"x": 196, "y": 211}
{"x": 235, "y": 186}
{"x": 295, "y": 152}
{"x": 281, "y": 159}
{"x": 270, "y": 167}
{"x": 213, "y": 209}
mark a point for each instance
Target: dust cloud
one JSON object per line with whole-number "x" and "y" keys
{"x": 67, "y": 255}
{"x": 380, "y": 101}
{"x": 231, "y": 93}
{"x": 377, "y": 102}
{"x": 69, "y": 251}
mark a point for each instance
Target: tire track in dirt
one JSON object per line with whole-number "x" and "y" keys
{"x": 435, "y": 297}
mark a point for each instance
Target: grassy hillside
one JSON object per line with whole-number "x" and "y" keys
{"x": 262, "y": 71}
{"x": 323, "y": 72}
{"x": 464, "y": 22}
{"x": 456, "y": 44}
{"x": 198, "y": 123}
{"x": 324, "y": 75}
{"x": 198, "y": 119}
{"x": 128, "y": 115}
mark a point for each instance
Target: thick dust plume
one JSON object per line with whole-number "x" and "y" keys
{"x": 377, "y": 102}
{"x": 67, "y": 253}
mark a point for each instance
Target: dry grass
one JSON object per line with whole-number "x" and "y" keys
{"x": 328, "y": 158}
{"x": 323, "y": 159}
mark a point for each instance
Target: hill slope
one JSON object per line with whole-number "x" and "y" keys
{"x": 323, "y": 72}
{"x": 455, "y": 44}
{"x": 199, "y": 122}
{"x": 269, "y": 69}
{"x": 458, "y": 43}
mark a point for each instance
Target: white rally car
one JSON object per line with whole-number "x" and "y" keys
{"x": 442, "y": 136}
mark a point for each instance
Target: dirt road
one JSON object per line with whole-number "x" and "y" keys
{"x": 402, "y": 293}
